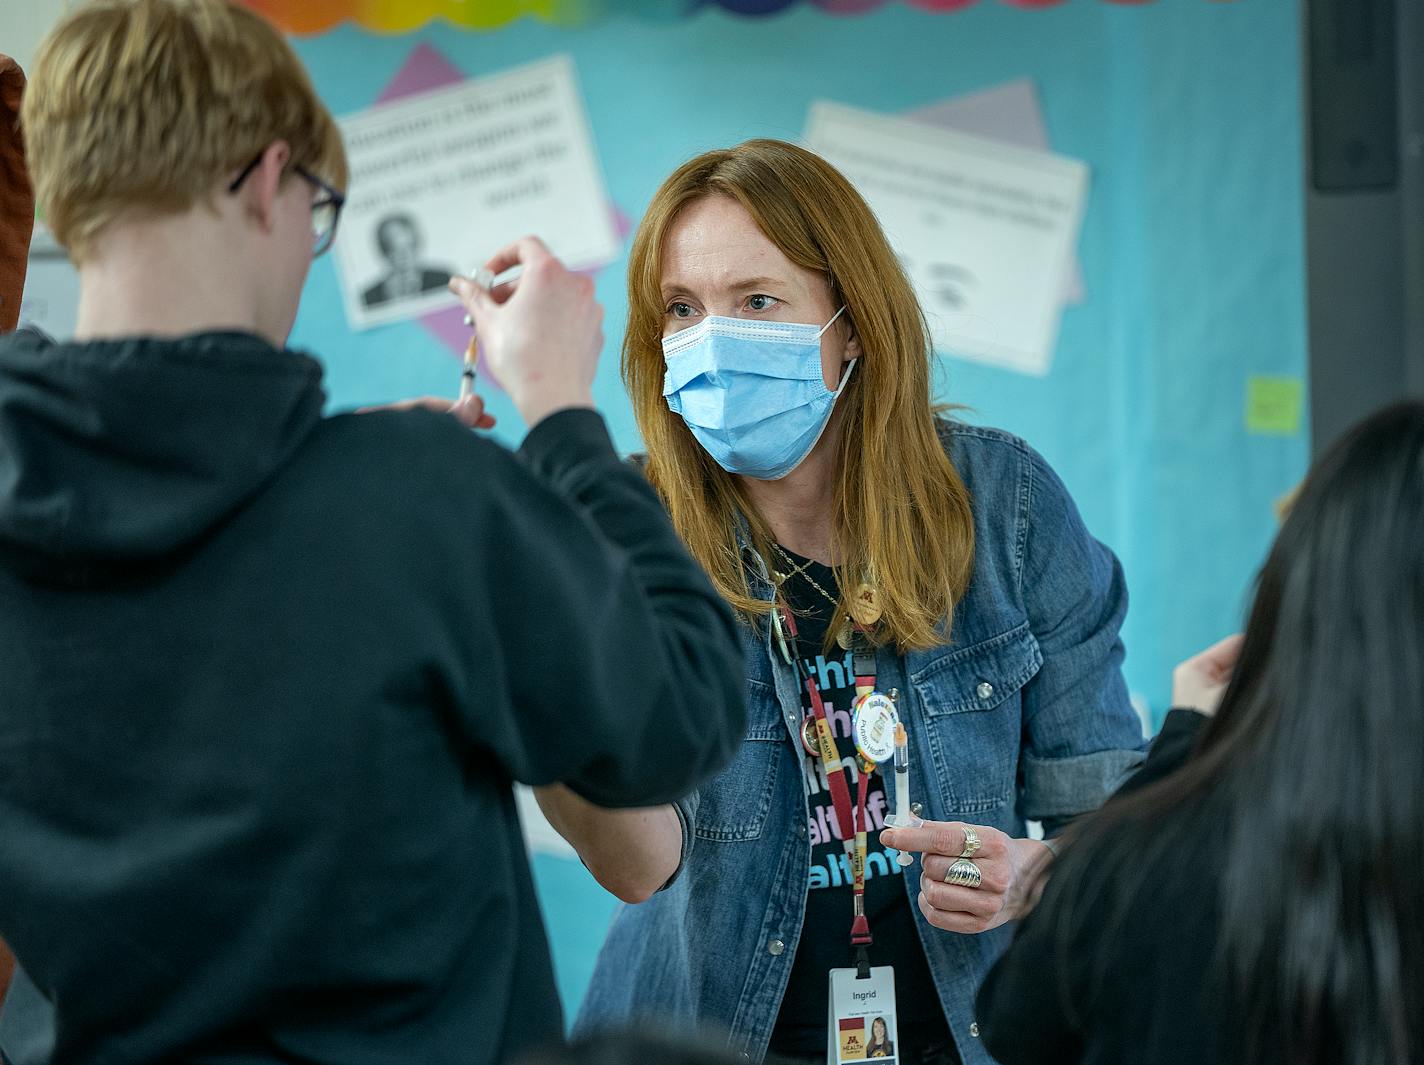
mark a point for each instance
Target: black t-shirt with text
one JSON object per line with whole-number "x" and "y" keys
{"x": 825, "y": 937}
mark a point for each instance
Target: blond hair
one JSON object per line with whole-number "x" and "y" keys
{"x": 143, "y": 106}
{"x": 902, "y": 514}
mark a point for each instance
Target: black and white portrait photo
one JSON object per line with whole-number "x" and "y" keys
{"x": 399, "y": 240}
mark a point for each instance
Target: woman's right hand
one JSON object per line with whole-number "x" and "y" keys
{"x": 1200, "y": 682}
{"x": 541, "y": 335}
{"x": 1008, "y": 868}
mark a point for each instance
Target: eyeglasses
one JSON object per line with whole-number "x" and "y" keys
{"x": 326, "y": 204}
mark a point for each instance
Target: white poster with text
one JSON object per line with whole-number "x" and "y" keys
{"x": 443, "y": 179}
{"x": 986, "y": 231}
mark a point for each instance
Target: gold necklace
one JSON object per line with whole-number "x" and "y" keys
{"x": 796, "y": 571}
{"x": 801, "y": 572}
{"x": 865, "y": 608}
{"x": 845, "y": 631}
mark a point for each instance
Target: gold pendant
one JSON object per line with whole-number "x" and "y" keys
{"x": 865, "y": 605}
{"x": 845, "y": 638}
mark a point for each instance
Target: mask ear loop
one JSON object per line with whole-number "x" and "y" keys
{"x": 850, "y": 365}
{"x": 831, "y": 322}
{"x": 845, "y": 377}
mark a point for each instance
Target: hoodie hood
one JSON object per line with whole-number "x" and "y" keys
{"x": 116, "y": 452}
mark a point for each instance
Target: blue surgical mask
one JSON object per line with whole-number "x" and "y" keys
{"x": 752, "y": 392}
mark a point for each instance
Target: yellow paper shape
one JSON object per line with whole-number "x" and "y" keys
{"x": 1274, "y": 404}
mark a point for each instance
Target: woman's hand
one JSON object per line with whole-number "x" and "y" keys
{"x": 1200, "y": 682}
{"x": 1009, "y": 870}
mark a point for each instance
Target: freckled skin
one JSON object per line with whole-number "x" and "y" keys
{"x": 713, "y": 245}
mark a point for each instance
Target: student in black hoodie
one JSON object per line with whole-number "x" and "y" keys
{"x": 268, "y": 676}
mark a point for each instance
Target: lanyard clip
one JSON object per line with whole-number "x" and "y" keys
{"x": 863, "y": 662}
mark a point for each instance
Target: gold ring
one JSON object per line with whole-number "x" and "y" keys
{"x": 964, "y": 873}
{"x": 972, "y": 843}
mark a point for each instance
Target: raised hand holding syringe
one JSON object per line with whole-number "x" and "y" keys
{"x": 540, "y": 338}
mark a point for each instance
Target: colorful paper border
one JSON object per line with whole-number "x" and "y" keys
{"x": 399, "y": 16}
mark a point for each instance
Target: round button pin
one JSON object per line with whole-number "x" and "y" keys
{"x": 873, "y": 721}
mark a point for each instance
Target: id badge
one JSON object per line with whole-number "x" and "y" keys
{"x": 861, "y": 1022}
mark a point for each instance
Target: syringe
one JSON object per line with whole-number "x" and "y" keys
{"x": 486, "y": 281}
{"x": 902, "y": 817}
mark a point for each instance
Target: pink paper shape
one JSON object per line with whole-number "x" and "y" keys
{"x": 426, "y": 69}
{"x": 423, "y": 70}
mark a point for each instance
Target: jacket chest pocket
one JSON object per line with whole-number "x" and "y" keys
{"x": 735, "y": 803}
{"x": 970, "y": 699}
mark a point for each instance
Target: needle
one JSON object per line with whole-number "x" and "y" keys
{"x": 467, "y": 374}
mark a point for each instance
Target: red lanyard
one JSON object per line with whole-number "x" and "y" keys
{"x": 853, "y": 821}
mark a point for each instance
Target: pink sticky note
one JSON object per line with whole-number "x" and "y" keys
{"x": 426, "y": 69}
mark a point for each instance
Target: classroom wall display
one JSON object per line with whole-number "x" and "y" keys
{"x": 985, "y": 229}
{"x": 388, "y": 16}
{"x": 443, "y": 179}
{"x": 1187, "y": 115}
{"x": 1009, "y": 114}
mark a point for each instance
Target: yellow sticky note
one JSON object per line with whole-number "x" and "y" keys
{"x": 1273, "y": 405}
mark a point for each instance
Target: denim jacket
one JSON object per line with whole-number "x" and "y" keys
{"x": 1022, "y": 715}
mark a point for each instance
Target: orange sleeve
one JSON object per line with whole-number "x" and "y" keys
{"x": 17, "y": 199}
{"x": 7, "y": 969}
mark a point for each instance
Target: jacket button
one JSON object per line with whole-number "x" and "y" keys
{"x": 985, "y": 690}
{"x": 917, "y": 808}
{"x": 974, "y": 1029}
{"x": 800, "y": 831}
{"x": 775, "y": 948}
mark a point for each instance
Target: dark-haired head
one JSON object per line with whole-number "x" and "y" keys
{"x": 1316, "y": 762}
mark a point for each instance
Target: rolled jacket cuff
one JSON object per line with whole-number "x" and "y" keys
{"x": 1058, "y": 788}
